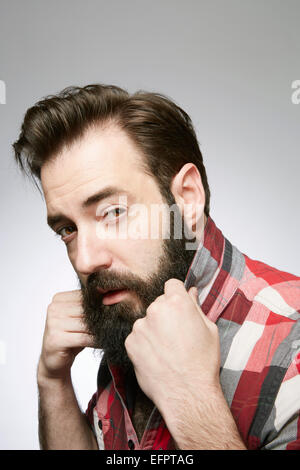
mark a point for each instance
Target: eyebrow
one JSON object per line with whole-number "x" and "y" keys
{"x": 105, "y": 193}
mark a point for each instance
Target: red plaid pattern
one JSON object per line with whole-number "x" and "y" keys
{"x": 257, "y": 310}
{"x": 110, "y": 411}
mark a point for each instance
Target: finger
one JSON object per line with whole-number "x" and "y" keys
{"x": 174, "y": 286}
{"x": 76, "y": 340}
{"x": 193, "y": 293}
{"x": 68, "y": 296}
{"x": 160, "y": 298}
{"x": 75, "y": 325}
{"x": 66, "y": 310}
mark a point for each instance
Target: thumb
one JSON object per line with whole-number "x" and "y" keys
{"x": 193, "y": 293}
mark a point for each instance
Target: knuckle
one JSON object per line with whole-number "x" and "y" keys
{"x": 153, "y": 310}
{"x": 56, "y": 297}
{"x": 51, "y": 323}
{"x": 51, "y": 310}
{"x": 173, "y": 281}
{"x": 66, "y": 295}
{"x": 175, "y": 298}
{"x": 127, "y": 342}
{"x": 138, "y": 325}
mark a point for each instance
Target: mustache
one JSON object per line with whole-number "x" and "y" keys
{"x": 111, "y": 280}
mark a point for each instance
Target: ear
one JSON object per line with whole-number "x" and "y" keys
{"x": 189, "y": 194}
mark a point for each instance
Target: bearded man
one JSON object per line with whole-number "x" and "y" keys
{"x": 200, "y": 342}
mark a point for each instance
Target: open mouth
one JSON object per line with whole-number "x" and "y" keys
{"x": 112, "y": 296}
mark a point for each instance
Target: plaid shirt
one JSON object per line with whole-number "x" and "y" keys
{"x": 257, "y": 310}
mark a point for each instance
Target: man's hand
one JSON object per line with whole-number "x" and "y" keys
{"x": 175, "y": 346}
{"x": 176, "y": 355}
{"x": 65, "y": 335}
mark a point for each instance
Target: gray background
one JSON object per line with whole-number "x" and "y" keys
{"x": 229, "y": 64}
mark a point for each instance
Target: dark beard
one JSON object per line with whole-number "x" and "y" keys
{"x": 111, "y": 324}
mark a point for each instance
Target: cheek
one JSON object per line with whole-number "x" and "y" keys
{"x": 72, "y": 258}
{"x": 71, "y": 252}
{"x": 142, "y": 245}
{"x": 141, "y": 256}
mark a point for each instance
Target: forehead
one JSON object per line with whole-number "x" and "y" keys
{"x": 102, "y": 157}
{"x": 102, "y": 154}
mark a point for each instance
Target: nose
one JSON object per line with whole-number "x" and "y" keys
{"x": 92, "y": 254}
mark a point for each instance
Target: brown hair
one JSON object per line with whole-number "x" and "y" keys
{"x": 160, "y": 129}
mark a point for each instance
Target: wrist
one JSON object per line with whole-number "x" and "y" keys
{"x": 196, "y": 395}
{"x": 201, "y": 419}
{"x": 46, "y": 378}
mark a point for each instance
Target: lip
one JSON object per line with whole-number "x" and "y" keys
{"x": 103, "y": 291}
{"x": 112, "y": 296}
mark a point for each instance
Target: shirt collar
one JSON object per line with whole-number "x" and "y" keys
{"x": 216, "y": 270}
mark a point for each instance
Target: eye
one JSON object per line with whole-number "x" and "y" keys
{"x": 65, "y": 232}
{"x": 114, "y": 213}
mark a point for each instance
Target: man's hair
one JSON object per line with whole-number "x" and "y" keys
{"x": 160, "y": 129}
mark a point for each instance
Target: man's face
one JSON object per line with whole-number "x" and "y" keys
{"x": 90, "y": 190}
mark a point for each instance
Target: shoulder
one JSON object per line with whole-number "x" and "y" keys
{"x": 276, "y": 290}
{"x": 260, "y": 345}
{"x": 260, "y": 327}
{"x": 265, "y": 295}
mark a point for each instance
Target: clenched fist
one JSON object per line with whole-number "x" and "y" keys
{"x": 65, "y": 335}
{"x": 175, "y": 347}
